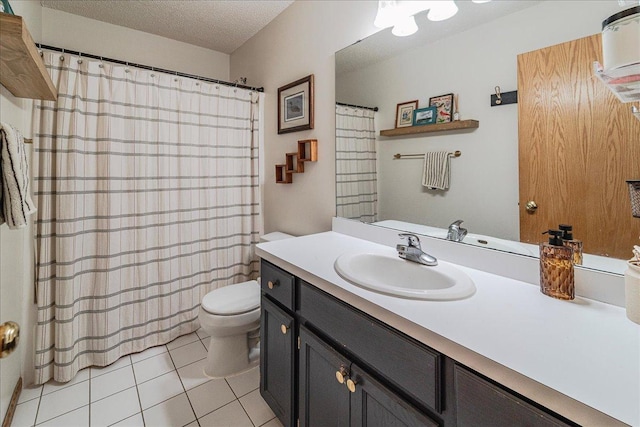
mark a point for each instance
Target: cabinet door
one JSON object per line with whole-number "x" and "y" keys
{"x": 373, "y": 405}
{"x": 323, "y": 400}
{"x": 277, "y": 338}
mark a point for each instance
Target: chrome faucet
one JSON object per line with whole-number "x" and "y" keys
{"x": 413, "y": 251}
{"x": 456, "y": 233}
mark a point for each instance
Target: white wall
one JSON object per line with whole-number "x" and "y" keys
{"x": 303, "y": 39}
{"x": 484, "y": 184}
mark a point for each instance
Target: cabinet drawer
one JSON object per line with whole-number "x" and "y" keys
{"x": 394, "y": 357}
{"x": 481, "y": 403}
{"x": 278, "y": 284}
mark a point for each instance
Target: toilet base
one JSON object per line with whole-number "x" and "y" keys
{"x": 228, "y": 356}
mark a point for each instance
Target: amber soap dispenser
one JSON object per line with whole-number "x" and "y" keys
{"x": 556, "y": 267}
{"x": 575, "y": 244}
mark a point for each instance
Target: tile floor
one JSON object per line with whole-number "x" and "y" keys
{"x": 162, "y": 386}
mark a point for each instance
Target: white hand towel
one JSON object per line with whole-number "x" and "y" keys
{"x": 436, "y": 170}
{"x": 15, "y": 197}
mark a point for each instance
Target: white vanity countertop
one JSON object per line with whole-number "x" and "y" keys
{"x": 583, "y": 349}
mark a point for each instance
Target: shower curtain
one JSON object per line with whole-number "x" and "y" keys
{"x": 356, "y": 183}
{"x": 148, "y": 197}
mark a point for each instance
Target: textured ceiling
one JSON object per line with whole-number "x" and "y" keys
{"x": 215, "y": 24}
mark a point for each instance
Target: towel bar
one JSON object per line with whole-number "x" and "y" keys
{"x": 456, "y": 153}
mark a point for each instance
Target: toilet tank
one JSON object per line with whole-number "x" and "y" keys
{"x": 276, "y": 235}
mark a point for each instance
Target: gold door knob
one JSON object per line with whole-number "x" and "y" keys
{"x": 351, "y": 385}
{"x": 271, "y": 284}
{"x": 342, "y": 374}
{"x": 9, "y": 338}
{"x": 284, "y": 328}
{"x": 531, "y": 206}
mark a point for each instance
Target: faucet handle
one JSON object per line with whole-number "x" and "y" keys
{"x": 412, "y": 239}
{"x": 457, "y": 222}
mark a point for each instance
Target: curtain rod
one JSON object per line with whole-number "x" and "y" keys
{"x": 148, "y": 67}
{"x": 357, "y": 106}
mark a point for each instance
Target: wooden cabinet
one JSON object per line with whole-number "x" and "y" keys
{"x": 325, "y": 363}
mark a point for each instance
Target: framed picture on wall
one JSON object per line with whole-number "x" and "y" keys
{"x": 444, "y": 104}
{"x": 295, "y": 106}
{"x": 404, "y": 113}
{"x": 425, "y": 116}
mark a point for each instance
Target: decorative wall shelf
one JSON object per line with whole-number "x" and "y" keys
{"x": 22, "y": 71}
{"x": 294, "y": 162}
{"x": 438, "y": 127}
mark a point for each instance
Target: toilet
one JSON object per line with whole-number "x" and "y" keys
{"x": 231, "y": 317}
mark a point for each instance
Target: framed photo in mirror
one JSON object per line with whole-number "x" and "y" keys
{"x": 295, "y": 106}
{"x": 404, "y": 113}
{"x": 425, "y": 116}
{"x": 444, "y": 104}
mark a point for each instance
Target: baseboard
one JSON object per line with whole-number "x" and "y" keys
{"x": 12, "y": 404}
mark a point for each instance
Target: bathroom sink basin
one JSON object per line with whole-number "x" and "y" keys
{"x": 392, "y": 275}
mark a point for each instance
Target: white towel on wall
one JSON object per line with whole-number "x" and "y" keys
{"x": 436, "y": 170}
{"x": 15, "y": 197}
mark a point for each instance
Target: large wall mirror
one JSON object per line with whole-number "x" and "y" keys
{"x": 468, "y": 55}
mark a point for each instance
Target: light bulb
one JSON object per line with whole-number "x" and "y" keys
{"x": 405, "y": 27}
{"x": 387, "y": 14}
{"x": 480, "y": 1}
{"x": 441, "y": 10}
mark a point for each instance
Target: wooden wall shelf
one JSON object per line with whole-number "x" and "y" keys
{"x": 22, "y": 71}
{"x": 438, "y": 127}
{"x": 294, "y": 162}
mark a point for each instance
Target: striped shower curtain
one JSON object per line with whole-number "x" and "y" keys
{"x": 148, "y": 197}
{"x": 356, "y": 183}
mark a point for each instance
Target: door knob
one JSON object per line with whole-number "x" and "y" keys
{"x": 531, "y": 206}
{"x": 342, "y": 374}
{"x": 351, "y": 385}
{"x": 9, "y": 337}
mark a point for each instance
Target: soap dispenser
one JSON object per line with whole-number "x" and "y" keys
{"x": 556, "y": 267}
{"x": 568, "y": 240}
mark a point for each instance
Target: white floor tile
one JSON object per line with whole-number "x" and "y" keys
{"x": 206, "y": 342}
{"x": 29, "y": 393}
{"x": 25, "y": 415}
{"x": 193, "y": 375}
{"x": 201, "y": 333}
{"x": 159, "y": 389}
{"x": 76, "y": 418}
{"x": 231, "y": 415}
{"x": 193, "y": 424}
{"x": 111, "y": 383}
{"x": 183, "y": 340}
{"x": 115, "y": 408}
{"x": 245, "y": 382}
{"x": 53, "y": 386}
{"x": 120, "y": 363}
{"x": 210, "y": 396}
{"x": 150, "y": 352}
{"x": 187, "y": 354}
{"x": 63, "y": 401}
{"x": 134, "y": 421}
{"x": 273, "y": 423}
{"x": 153, "y": 367}
{"x": 173, "y": 412}
{"x": 257, "y": 408}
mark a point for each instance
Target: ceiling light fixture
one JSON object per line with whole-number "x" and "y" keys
{"x": 399, "y": 14}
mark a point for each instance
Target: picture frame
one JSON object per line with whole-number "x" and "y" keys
{"x": 295, "y": 106}
{"x": 404, "y": 113}
{"x": 444, "y": 104}
{"x": 425, "y": 116}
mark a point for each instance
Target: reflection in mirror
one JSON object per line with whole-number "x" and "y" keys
{"x": 468, "y": 55}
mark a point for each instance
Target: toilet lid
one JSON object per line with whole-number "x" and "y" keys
{"x": 233, "y": 299}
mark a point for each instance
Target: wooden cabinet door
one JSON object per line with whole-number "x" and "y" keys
{"x": 323, "y": 401}
{"x": 373, "y": 405}
{"x": 277, "y": 346}
{"x": 578, "y": 144}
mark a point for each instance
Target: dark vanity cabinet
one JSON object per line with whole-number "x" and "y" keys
{"x": 325, "y": 363}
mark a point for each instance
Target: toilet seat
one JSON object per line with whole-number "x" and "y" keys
{"x": 233, "y": 299}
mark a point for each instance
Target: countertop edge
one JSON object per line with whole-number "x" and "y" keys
{"x": 546, "y": 396}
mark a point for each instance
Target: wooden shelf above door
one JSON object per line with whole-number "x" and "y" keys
{"x": 22, "y": 71}
{"x": 438, "y": 127}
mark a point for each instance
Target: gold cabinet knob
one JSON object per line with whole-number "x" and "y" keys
{"x": 351, "y": 385}
{"x": 531, "y": 206}
{"x": 9, "y": 338}
{"x": 284, "y": 328}
{"x": 271, "y": 284}
{"x": 342, "y": 374}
